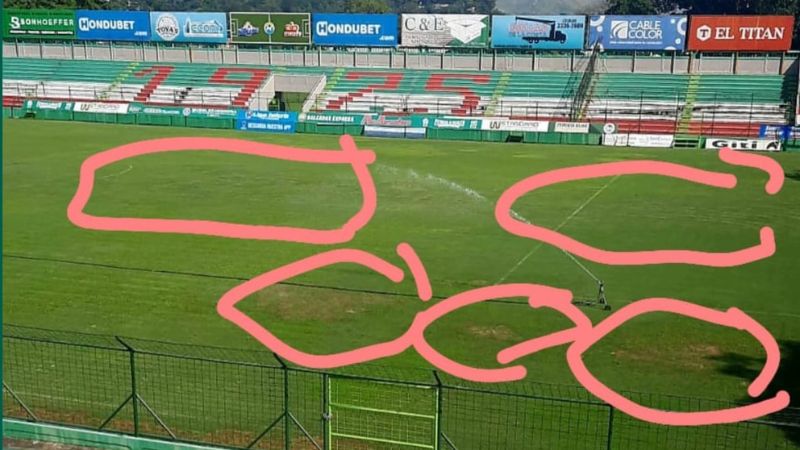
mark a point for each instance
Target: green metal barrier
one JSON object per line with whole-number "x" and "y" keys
{"x": 343, "y": 124}
{"x": 243, "y": 399}
{"x": 220, "y": 123}
{"x": 454, "y": 135}
{"x": 337, "y": 129}
{"x": 26, "y": 431}
{"x": 792, "y": 146}
{"x": 363, "y": 413}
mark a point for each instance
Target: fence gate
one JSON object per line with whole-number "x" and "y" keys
{"x": 377, "y": 415}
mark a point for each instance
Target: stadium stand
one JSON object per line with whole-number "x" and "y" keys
{"x": 540, "y": 95}
{"x": 536, "y": 94}
{"x": 416, "y": 91}
{"x": 690, "y": 104}
{"x": 683, "y": 104}
{"x": 202, "y": 85}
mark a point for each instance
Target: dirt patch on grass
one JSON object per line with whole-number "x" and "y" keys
{"x": 295, "y": 304}
{"x": 697, "y": 357}
{"x": 497, "y": 333}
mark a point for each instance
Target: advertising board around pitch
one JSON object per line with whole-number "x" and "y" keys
{"x": 638, "y": 32}
{"x": 271, "y": 28}
{"x": 189, "y": 27}
{"x": 504, "y": 124}
{"x": 741, "y": 33}
{"x": 355, "y": 30}
{"x": 764, "y": 145}
{"x": 444, "y": 30}
{"x": 266, "y": 121}
{"x": 539, "y": 32}
{"x": 96, "y": 25}
{"x": 572, "y": 127}
{"x": 100, "y": 107}
{"x": 39, "y": 23}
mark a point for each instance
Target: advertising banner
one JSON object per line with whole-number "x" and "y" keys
{"x": 639, "y": 140}
{"x": 539, "y": 32}
{"x": 572, "y": 127}
{"x": 651, "y": 140}
{"x": 355, "y": 30}
{"x": 502, "y": 124}
{"x": 615, "y": 140}
{"x": 779, "y": 132}
{"x": 53, "y": 106}
{"x": 333, "y": 118}
{"x": 455, "y": 123}
{"x": 395, "y": 132}
{"x": 189, "y": 27}
{"x": 39, "y": 23}
{"x": 741, "y": 33}
{"x": 271, "y": 28}
{"x": 775, "y": 131}
{"x": 267, "y": 121}
{"x": 766, "y": 145}
{"x": 113, "y": 25}
{"x": 99, "y": 107}
{"x": 136, "y": 108}
{"x": 638, "y": 32}
{"x": 444, "y": 30}
{"x": 417, "y": 121}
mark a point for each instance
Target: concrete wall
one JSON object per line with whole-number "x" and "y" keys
{"x": 488, "y": 60}
{"x": 296, "y": 83}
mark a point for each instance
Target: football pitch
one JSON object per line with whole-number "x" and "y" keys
{"x": 438, "y": 196}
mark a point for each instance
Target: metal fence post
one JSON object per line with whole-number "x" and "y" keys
{"x": 134, "y": 395}
{"x": 610, "y": 426}
{"x": 438, "y": 410}
{"x": 287, "y": 440}
{"x": 326, "y": 416}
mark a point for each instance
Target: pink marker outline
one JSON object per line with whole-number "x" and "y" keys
{"x": 538, "y": 296}
{"x": 418, "y": 271}
{"x": 582, "y": 336}
{"x": 760, "y": 162}
{"x": 226, "y": 307}
{"x": 764, "y": 249}
{"x": 733, "y": 318}
{"x": 349, "y": 154}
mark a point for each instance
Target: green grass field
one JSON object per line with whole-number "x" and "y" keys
{"x": 439, "y": 197}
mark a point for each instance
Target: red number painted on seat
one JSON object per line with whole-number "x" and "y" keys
{"x": 160, "y": 73}
{"x": 248, "y": 86}
{"x": 391, "y": 81}
{"x": 469, "y": 106}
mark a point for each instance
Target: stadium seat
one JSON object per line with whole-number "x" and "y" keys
{"x": 169, "y": 84}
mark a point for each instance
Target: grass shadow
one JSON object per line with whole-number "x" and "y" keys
{"x": 787, "y": 379}
{"x": 793, "y": 175}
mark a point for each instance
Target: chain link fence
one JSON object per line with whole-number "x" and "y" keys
{"x": 253, "y": 399}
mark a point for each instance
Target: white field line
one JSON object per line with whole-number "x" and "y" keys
{"x": 560, "y": 226}
{"x": 746, "y": 311}
{"x": 117, "y": 174}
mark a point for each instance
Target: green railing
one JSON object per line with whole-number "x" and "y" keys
{"x": 253, "y": 399}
